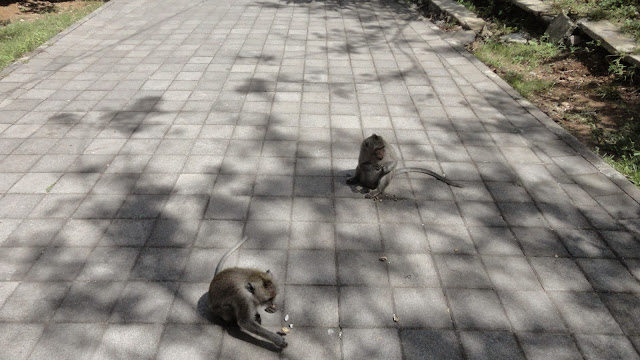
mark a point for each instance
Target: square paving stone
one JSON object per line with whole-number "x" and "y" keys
{"x": 491, "y": 345}
{"x": 452, "y": 239}
{"x": 57, "y": 206}
{"x": 539, "y": 241}
{"x": 181, "y": 206}
{"x": 606, "y": 347}
{"x": 126, "y": 341}
{"x": 407, "y": 238}
{"x": 564, "y": 216}
{"x": 219, "y": 233}
{"x": 359, "y": 267}
{"x": 16, "y": 262}
{"x": 224, "y": 207}
{"x": 233, "y": 346}
{"x": 173, "y": 232}
{"x": 531, "y": 311}
{"x": 355, "y": 210}
{"x": 481, "y": 214}
{"x": 18, "y": 206}
{"x": 35, "y": 183}
{"x": 109, "y": 264}
{"x": 146, "y": 302}
{"x": 75, "y": 183}
{"x": 202, "y": 264}
{"x": 34, "y": 232}
{"x": 522, "y": 214}
{"x": 115, "y": 184}
{"x": 412, "y": 270}
{"x": 560, "y": 274}
{"x": 190, "y": 305}
{"x": 160, "y": 264}
{"x": 625, "y": 310}
{"x": 511, "y": 273}
{"x": 358, "y": 237}
{"x": 155, "y": 183}
{"x": 422, "y": 308}
{"x": 99, "y": 207}
{"x": 34, "y": 301}
{"x": 625, "y": 244}
{"x": 608, "y": 275}
{"x": 81, "y": 232}
{"x": 542, "y": 346}
{"x": 584, "y": 313}
{"x": 267, "y": 234}
{"x": 403, "y": 211}
{"x": 462, "y": 271}
{"x": 430, "y": 344}
{"x": 312, "y": 209}
{"x": 323, "y": 313}
{"x": 68, "y": 341}
{"x": 366, "y": 306}
{"x": 59, "y": 263}
{"x": 192, "y": 341}
{"x": 89, "y": 302}
{"x": 494, "y": 241}
{"x": 270, "y": 208}
{"x": 363, "y": 344}
{"x": 312, "y": 235}
{"x": 314, "y": 344}
{"x": 17, "y": 340}
{"x": 142, "y": 206}
{"x": 311, "y": 267}
{"x": 477, "y": 309}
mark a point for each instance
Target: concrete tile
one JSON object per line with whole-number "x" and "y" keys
{"x": 559, "y": 274}
{"x": 606, "y": 347}
{"x": 494, "y": 241}
{"x": 412, "y": 270}
{"x": 491, "y": 345}
{"x": 228, "y": 207}
{"x": 147, "y": 302}
{"x": 314, "y": 343}
{"x": 584, "y": 243}
{"x": 34, "y": 302}
{"x": 366, "y": 307}
{"x": 34, "y": 232}
{"x": 511, "y": 273}
{"x": 311, "y": 267}
{"x": 18, "y": 206}
{"x": 59, "y": 264}
{"x": 99, "y": 206}
{"x": 539, "y": 346}
{"x": 270, "y": 208}
{"x": 81, "y": 232}
{"x": 323, "y": 313}
{"x": 57, "y": 206}
{"x": 35, "y": 183}
{"x": 68, "y": 341}
{"x": 121, "y": 341}
{"x": 358, "y": 237}
{"x": 608, "y": 275}
{"x": 477, "y": 309}
{"x": 19, "y": 339}
{"x": 531, "y": 311}
{"x": 188, "y": 307}
{"x": 584, "y": 313}
{"x": 109, "y": 264}
{"x": 625, "y": 310}
{"x": 405, "y": 238}
{"x": 89, "y": 302}
{"x": 358, "y": 267}
{"x": 481, "y": 214}
{"x": 430, "y": 344}
{"x": 160, "y": 264}
{"x": 625, "y": 244}
{"x": 539, "y": 242}
{"x": 313, "y": 235}
{"x": 355, "y": 210}
{"x": 422, "y": 308}
{"x": 462, "y": 271}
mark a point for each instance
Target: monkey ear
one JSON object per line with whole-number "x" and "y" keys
{"x": 250, "y": 287}
{"x": 268, "y": 271}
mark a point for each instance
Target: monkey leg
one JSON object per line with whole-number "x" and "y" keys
{"x": 355, "y": 179}
{"x": 385, "y": 180}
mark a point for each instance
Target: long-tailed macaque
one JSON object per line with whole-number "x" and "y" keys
{"x": 377, "y": 165}
{"x": 236, "y": 293}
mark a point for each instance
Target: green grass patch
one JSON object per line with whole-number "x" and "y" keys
{"x": 516, "y": 61}
{"x": 19, "y": 38}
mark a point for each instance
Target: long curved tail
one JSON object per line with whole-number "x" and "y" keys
{"x": 226, "y": 255}
{"x": 428, "y": 172}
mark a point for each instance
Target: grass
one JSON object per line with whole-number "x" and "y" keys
{"x": 517, "y": 61}
{"x": 19, "y": 38}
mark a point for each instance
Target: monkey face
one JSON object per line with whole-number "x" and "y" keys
{"x": 376, "y": 145}
{"x": 379, "y": 153}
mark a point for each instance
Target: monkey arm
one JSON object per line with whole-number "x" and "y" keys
{"x": 245, "y": 315}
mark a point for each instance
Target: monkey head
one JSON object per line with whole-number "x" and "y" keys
{"x": 262, "y": 287}
{"x": 376, "y": 146}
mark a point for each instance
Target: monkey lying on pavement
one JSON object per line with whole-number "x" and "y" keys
{"x": 377, "y": 167}
{"x": 236, "y": 293}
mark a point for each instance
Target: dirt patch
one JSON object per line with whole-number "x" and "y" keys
{"x": 11, "y": 11}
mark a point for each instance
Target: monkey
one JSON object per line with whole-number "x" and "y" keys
{"x": 377, "y": 167}
{"x": 235, "y": 294}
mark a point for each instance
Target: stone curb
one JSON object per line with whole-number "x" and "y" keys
{"x": 465, "y": 17}
{"x": 9, "y": 69}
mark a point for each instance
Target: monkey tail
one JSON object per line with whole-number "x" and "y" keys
{"x": 428, "y": 172}
{"x": 226, "y": 255}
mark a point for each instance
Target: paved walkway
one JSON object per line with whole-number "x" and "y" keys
{"x": 144, "y": 142}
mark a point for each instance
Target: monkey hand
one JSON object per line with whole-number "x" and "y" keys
{"x": 280, "y": 342}
{"x": 271, "y": 308}
{"x": 373, "y": 194}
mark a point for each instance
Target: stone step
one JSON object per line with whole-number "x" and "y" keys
{"x": 464, "y": 16}
{"x": 609, "y": 35}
